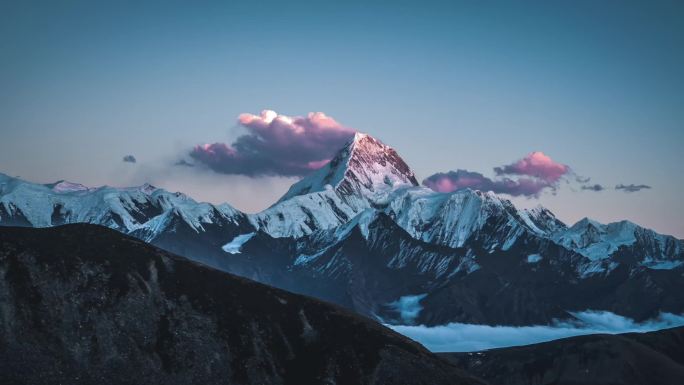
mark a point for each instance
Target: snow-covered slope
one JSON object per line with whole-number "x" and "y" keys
{"x": 454, "y": 219}
{"x": 365, "y": 168}
{"x": 363, "y": 174}
{"x": 143, "y": 210}
{"x": 369, "y": 174}
{"x": 598, "y": 241}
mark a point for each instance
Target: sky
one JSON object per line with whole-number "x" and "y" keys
{"x": 119, "y": 92}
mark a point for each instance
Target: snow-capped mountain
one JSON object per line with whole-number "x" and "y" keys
{"x": 598, "y": 241}
{"x": 363, "y": 174}
{"x": 360, "y": 232}
{"x": 149, "y": 213}
{"x": 454, "y": 219}
{"x": 365, "y": 168}
{"x": 125, "y": 209}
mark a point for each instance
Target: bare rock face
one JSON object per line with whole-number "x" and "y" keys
{"x": 82, "y": 304}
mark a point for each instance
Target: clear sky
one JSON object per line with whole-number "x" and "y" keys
{"x": 596, "y": 85}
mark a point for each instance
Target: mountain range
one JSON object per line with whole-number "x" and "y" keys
{"x": 362, "y": 233}
{"x": 82, "y": 303}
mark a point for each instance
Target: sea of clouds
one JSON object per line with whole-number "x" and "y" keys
{"x": 458, "y": 337}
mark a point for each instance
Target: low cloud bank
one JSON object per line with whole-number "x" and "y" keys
{"x": 458, "y": 337}
{"x": 528, "y": 176}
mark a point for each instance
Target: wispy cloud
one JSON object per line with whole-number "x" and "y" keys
{"x": 276, "y": 145}
{"x": 593, "y": 187}
{"x": 630, "y": 188}
{"x": 184, "y": 163}
{"x": 458, "y": 337}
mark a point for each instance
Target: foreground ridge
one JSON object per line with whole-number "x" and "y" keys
{"x": 84, "y": 304}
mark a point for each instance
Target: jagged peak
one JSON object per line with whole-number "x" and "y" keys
{"x": 363, "y": 166}
{"x": 586, "y": 222}
{"x": 358, "y": 136}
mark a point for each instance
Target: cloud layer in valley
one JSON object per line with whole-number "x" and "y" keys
{"x": 529, "y": 176}
{"x": 458, "y": 337}
{"x": 276, "y": 145}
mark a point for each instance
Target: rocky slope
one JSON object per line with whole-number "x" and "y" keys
{"x": 82, "y": 304}
{"x": 371, "y": 263}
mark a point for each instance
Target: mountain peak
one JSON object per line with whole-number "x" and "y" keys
{"x": 358, "y": 136}
{"x": 64, "y": 186}
{"x": 364, "y": 166}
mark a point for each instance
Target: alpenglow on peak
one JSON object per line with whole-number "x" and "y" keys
{"x": 364, "y": 166}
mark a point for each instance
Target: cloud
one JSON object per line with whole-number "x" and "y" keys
{"x": 184, "y": 163}
{"x": 537, "y": 165}
{"x": 593, "y": 187}
{"x": 458, "y": 337}
{"x": 630, "y": 188}
{"x": 129, "y": 159}
{"x": 528, "y": 177}
{"x": 408, "y": 307}
{"x": 461, "y": 179}
{"x": 276, "y": 145}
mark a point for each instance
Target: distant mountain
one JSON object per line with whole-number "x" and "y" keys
{"x": 655, "y": 358}
{"x": 82, "y": 304}
{"x": 171, "y": 220}
{"x": 621, "y": 241}
{"x": 360, "y": 232}
{"x": 371, "y": 263}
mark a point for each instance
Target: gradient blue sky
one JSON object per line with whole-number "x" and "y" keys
{"x": 597, "y": 85}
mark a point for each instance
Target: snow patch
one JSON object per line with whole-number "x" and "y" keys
{"x": 233, "y": 247}
{"x": 534, "y": 258}
{"x": 303, "y": 259}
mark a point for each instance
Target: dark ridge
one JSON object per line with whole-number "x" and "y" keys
{"x": 655, "y": 358}
{"x": 83, "y": 304}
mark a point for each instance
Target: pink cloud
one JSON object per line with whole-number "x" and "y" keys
{"x": 277, "y": 145}
{"x": 537, "y": 165}
{"x": 529, "y": 176}
{"x": 462, "y": 179}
